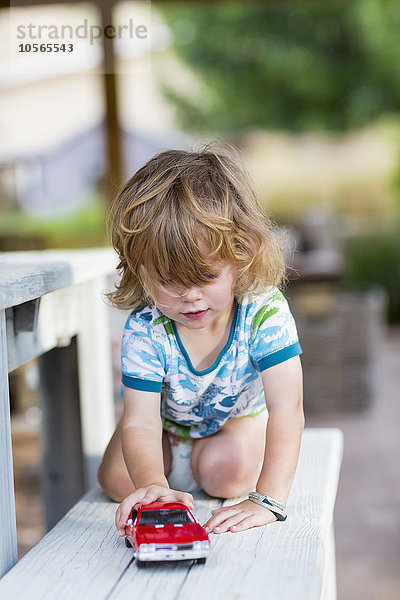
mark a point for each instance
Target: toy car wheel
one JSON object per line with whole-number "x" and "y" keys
{"x": 141, "y": 564}
{"x": 127, "y": 543}
{"x": 200, "y": 561}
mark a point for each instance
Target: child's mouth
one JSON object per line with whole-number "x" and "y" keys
{"x": 196, "y": 315}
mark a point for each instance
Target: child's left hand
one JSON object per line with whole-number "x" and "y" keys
{"x": 238, "y": 517}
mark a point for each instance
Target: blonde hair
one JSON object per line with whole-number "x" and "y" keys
{"x": 178, "y": 203}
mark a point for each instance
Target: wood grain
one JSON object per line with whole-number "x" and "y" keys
{"x": 28, "y": 275}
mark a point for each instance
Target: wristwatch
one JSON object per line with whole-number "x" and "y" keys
{"x": 277, "y": 508}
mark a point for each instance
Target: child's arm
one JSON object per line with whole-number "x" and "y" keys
{"x": 284, "y": 398}
{"x": 283, "y": 386}
{"x": 142, "y": 450}
{"x": 142, "y": 438}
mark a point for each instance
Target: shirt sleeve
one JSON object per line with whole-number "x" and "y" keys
{"x": 273, "y": 333}
{"x": 142, "y": 361}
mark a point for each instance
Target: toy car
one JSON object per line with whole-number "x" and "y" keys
{"x": 165, "y": 531}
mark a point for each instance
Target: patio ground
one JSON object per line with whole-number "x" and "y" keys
{"x": 367, "y": 514}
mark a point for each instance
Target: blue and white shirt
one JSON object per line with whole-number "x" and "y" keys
{"x": 198, "y": 403}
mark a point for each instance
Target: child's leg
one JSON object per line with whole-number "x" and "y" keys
{"x": 227, "y": 463}
{"x": 181, "y": 477}
{"x": 113, "y": 475}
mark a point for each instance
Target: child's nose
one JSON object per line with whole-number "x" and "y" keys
{"x": 192, "y": 294}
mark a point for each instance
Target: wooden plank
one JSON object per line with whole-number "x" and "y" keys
{"x": 283, "y": 560}
{"x": 82, "y": 556}
{"x": 8, "y": 537}
{"x": 58, "y": 321}
{"x": 28, "y": 275}
{"x": 63, "y": 479}
{"x": 329, "y": 586}
{"x": 95, "y": 377}
{"x": 22, "y": 282}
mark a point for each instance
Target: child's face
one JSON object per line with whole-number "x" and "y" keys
{"x": 199, "y": 306}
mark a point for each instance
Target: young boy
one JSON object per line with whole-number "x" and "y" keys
{"x": 210, "y": 350}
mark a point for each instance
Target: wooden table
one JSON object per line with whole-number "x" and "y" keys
{"x": 51, "y": 307}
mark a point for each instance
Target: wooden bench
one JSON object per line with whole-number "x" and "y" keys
{"x": 51, "y": 309}
{"x": 83, "y": 557}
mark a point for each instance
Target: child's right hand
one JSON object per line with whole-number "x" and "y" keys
{"x": 145, "y": 495}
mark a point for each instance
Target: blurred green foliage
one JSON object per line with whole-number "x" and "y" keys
{"x": 290, "y": 65}
{"x": 395, "y": 180}
{"x": 374, "y": 259}
{"x": 82, "y": 228}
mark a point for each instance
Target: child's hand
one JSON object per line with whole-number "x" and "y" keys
{"x": 238, "y": 517}
{"x": 145, "y": 495}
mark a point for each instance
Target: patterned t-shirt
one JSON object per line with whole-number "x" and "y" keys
{"x": 198, "y": 403}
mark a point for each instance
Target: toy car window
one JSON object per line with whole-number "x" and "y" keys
{"x": 134, "y": 514}
{"x": 164, "y": 517}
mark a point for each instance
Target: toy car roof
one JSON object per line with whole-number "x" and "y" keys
{"x": 162, "y": 506}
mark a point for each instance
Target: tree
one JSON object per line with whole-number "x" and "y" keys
{"x": 286, "y": 65}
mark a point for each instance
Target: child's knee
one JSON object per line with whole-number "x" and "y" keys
{"x": 223, "y": 476}
{"x": 105, "y": 480}
{"x": 114, "y": 481}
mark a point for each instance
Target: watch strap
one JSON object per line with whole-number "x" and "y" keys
{"x": 264, "y": 500}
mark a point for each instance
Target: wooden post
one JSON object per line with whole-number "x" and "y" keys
{"x": 95, "y": 377}
{"x": 8, "y": 535}
{"x": 63, "y": 473}
{"x": 114, "y": 173}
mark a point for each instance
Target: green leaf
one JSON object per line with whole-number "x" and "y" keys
{"x": 261, "y": 315}
{"x": 167, "y": 324}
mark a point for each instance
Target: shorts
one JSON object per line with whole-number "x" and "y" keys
{"x": 183, "y": 431}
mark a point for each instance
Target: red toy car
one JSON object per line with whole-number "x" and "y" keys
{"x": 164, "y": 531}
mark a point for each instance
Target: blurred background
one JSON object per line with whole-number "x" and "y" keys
{"x": 309, "y": 92}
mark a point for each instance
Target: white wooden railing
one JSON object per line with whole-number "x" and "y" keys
{"x": 46, "y": 299}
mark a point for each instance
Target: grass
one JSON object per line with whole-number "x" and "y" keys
{"x": 84, "y": 227}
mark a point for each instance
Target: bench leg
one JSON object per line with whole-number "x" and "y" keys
{"x": 95, "y": 377}
{"x": 8, "y": 529}
{"x": 63, "y": 471}
{"x": 329, "y": 585}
